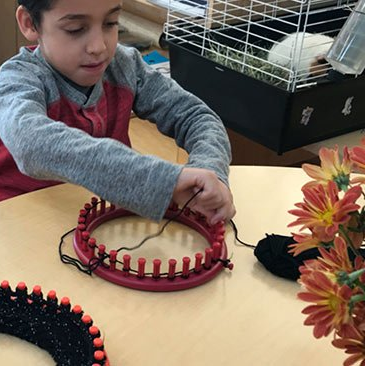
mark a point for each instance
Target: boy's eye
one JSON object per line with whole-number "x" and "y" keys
{"x": 111, "y": 24}
{"x": 79, "y": 30}
{"x": 74, "y": 31}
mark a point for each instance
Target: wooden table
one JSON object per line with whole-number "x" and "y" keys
{"x": 246, "y": 317}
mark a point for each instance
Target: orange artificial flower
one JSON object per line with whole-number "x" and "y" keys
{"x": 323, "y": 211}
{"x": 352, "y": 340}
{"x": 334, "y": 284}
{"x": 356, "y": 237}
{"x": 303, "y": 243}
{"x": 357, "y": 156}
{"x": 337, "y": 258}
{"x": 331, "y": 308}
{"x": 331, "y": 169}
{"x": 309, "y": 266}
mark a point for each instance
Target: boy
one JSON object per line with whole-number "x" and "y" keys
{"x": 65, "y": 108}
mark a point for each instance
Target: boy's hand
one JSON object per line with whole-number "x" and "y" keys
{"x": 215, "y": 201}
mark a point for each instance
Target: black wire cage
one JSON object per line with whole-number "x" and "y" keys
{"x": 261, "y": 66}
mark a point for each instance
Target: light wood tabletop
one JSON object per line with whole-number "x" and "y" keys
{"x": 245, "y": 317}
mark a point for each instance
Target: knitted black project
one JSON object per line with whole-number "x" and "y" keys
{"x": 272, "y": 252}
{"x": 67, "y": 335}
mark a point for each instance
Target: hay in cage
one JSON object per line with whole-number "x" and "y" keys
{"x": 249, "y": 62}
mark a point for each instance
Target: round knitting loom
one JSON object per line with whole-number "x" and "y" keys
{"x": 68, "y": 335}
{"x": 110, "y": 267}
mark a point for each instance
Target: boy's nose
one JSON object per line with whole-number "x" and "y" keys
{"x": 96, "y": 43}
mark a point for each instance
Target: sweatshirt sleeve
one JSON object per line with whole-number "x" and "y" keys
{"x": 48, "y": 149}
{"x": 181, "y": 115}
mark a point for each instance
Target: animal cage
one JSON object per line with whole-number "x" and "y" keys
{"x": 261, "y": 65}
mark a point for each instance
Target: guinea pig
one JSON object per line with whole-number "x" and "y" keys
{"x": 310, "y": 62}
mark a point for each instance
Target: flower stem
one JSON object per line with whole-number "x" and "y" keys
{"x": 344, "y": 233}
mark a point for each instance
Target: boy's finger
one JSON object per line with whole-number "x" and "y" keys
{"x": 225, "y": 213}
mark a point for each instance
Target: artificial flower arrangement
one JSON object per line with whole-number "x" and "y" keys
{"x": 332, "y": 219}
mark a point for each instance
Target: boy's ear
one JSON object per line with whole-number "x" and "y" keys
{"x": 26, "y": 24}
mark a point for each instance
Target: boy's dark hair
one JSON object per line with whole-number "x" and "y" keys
{"x": 36, "y": 9}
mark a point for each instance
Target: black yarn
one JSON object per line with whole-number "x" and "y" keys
{"x": 235, "y": 230}
{"x": 272, "y": 252}
{"x": 71, "y": 260}
{"x": 47, "y": 325}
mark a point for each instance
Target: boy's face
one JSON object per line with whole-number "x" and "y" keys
{"x": 79, "y": 38}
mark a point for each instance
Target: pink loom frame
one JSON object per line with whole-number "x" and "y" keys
{"x": 215, "y": 256}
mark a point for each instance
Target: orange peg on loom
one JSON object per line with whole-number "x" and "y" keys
{"x": 141, "y": 267}
{"x": 94, "y": 331}
{"x": 85, "y": 235}
{"x": 65, "y": 304}
{"x": 77, "y": 309}
{"x": 21, "y": 286}
{"x": 172, "y": 268}
{"x": 92, "y": 245}
{"x": 156, "y": 268}
{"x": 126, "y": 263}
{"x": 101, "y": 251}
{"x": 208, "y": 258}
{"x": 94, "y": 209}
{"x": 216, "y": 250}
{"x": 98, "y": 344}
{"x": 198, "y": 262}
{"x": 37, "y": 290}
{"x": 113, "y": 259}
{"x": 185, "y": 267}
{"x": 52, "y": 295}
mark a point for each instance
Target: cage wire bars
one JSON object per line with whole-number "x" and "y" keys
{"x": 244, "y": 36}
